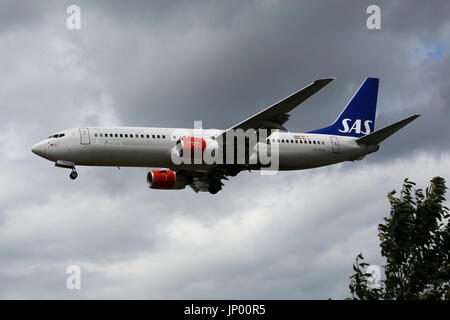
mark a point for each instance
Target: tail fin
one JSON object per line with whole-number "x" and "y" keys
{"x": 358, "y": 117}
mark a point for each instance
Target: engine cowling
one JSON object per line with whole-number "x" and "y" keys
{"x": 190, "y": 145}
{"x": 166, "y": 179}
{"x": 196, "y": 147}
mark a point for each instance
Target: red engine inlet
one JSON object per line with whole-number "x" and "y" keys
{"x": 166, "y": 179}
{"x": 191, "y": 145}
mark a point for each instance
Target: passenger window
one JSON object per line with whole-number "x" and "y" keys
{"x": 95, "y": 135}
{"x": 148, "y": 136}
{"x": 153, "y": 136}
{"x": 126, "y": 135}
{"x": 282, "y": 140}
{"x": 314, "y": 142}
{"x": 115, "y": 135}
{"x": 296, "y": 141}
{"x": 309, "y": 141}
{"x": 158, "y": 136}
{"x": 278, "y": 140}
{"x": 323, "y": 142}
{"x": 101, "y": 134}
{"x": 142, "y": 136}
{"x": 121, "y": 135}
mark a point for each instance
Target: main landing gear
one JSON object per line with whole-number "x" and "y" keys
{"x": 215, "y": 187}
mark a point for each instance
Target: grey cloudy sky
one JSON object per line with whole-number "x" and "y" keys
{"x": 168, "y": 63}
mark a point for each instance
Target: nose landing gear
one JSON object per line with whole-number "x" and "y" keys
{"x": 67, "y": 165}
{"x": 74, "y": 174}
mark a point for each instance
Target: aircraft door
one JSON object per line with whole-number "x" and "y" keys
{"x": 84, "y": 136}
{"x": 334, "y": 145}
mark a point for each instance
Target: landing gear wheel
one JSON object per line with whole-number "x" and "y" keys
{"x": 215, "y": 187}
{"x": 73, "y": 175}
{"x": 234, "y": 170}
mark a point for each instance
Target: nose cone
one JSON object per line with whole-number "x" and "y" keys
{"x": 39, "y": 149}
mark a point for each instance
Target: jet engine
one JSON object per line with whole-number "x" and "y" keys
{"x": 193, "y": 147}
{"x": 166, "y": 179}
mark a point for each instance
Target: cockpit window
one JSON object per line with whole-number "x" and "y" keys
{"x": 58, "y": 135}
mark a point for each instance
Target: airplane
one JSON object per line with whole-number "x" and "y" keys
{"x": 350, "y": 137}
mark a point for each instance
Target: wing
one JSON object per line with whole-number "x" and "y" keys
{"x": 271, "y": 118}
{"x": 276, "y": 115}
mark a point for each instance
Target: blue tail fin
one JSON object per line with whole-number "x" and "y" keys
{"x": 358, "y": 117}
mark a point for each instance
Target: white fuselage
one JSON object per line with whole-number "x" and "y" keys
{"x": 152, "y": 147}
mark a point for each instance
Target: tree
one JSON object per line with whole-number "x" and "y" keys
{"x": 415, "y": 240}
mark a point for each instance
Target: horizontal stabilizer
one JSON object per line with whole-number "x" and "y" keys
{"x": 379, "y": 135}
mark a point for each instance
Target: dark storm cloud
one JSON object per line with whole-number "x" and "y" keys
{"x": 19, "y": 14}
{"x": 171, "y": 64}
{"x": 168, "y": 63}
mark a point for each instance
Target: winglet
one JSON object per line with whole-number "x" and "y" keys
{"x": 382, "y": 134}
